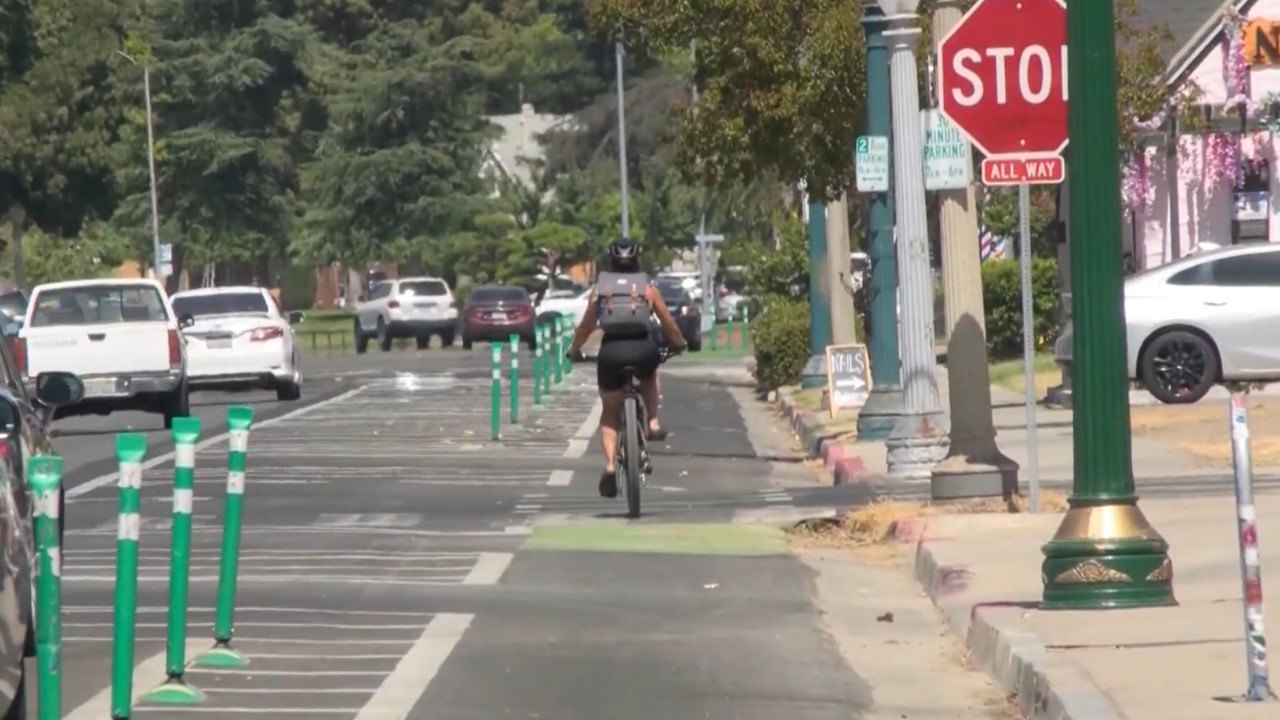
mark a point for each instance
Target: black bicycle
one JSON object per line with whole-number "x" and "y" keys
{"x": 632, "y": 453}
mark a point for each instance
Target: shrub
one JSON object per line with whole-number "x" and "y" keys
{"x": 781, "y": 339}
{"x": 1002, "y": 300}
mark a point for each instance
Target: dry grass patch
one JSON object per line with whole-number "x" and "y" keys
{"x": 867, "y": 529}
{"x": 1202, "y": 430}
{"x": 809, "y": 399}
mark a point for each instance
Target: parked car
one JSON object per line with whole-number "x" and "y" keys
{"x": 13, "y": 310}
{"x": 1206, "y": 318}
{"x": 690, "y": 281}
{"x": 684, "y": 310}
{"x": 494, "y": 312}
{"x": 239, "y": 340}
{"x": 120, "y": 336}
{"x": 567, "y": 303}
{"x": 416, "y": 307}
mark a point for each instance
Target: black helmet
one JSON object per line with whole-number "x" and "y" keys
{"x": 624, "y": 249}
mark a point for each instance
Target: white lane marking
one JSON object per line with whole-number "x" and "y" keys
{"x": 145, "y": 674}
{"x": 247, "y": 711}
{"x": 90, "y": 485}
{"x": 536, "y": 495}
{"x": 582, "y": 438}
{"x": 488, "y": 569}
{"x": 403, "y": 688}
{"x": 560, "y": 478}
{"x": 259, "y": 671}
{"x": 518, "y": 530}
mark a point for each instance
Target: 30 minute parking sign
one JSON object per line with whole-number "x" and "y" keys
{"x": 948, "y": 160}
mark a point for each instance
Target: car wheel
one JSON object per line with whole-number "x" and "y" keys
{"x": 384, "y": 336}
{"x": 446, "y": 340}
{"x": 359, "y": 339}
{"x": 178, "y": 404}
{"x": 288, "y": 391}
{"x": 1179, "y": 366}
{"x": 423, "y": 342}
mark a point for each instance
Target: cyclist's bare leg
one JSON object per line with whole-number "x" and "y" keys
{"x": 610, "y": 406}
{"x": 649, "y": 390}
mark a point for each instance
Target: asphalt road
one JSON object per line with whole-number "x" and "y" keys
{"x": 398, "y": 564}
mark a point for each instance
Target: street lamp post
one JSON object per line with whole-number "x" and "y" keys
{"x": 620, "y": 53}
{"x": 918, "y": 440}
{"x": 879, "y": 414}
{"x": 814, "y": 373}
{"x": 151, "y": 165}
{"x": 1105, "y": 553}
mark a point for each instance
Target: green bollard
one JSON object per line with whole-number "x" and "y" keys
{"x": 239, "y": 418}
{"x": 558, "y": 352}
{"x": 175, "y": 690}
{"x": 495, "y": 388}
{"x": 44, "y": 473}
{"x": 537, "y": 365}
{"x": 746, "y": 325}
{"x": 568, "y": 340}
{"x": 548, "y": 358}
{"x": 130, "y": 449}
{"x": 514, "y": 341}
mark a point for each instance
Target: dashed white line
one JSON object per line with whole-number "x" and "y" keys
{"x": 560, "y": 478}
{"x": 488, "y": 569}
{"x": 582, "y": 438}
{"x": 395, "y": 697}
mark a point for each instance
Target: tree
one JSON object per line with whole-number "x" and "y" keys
{"x": 780, "y": 84}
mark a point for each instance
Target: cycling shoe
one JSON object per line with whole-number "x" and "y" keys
{"x": 658, "y": 434}
{"x": 609, "y": 484}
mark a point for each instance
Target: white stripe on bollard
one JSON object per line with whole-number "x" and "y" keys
{"x": 239, "y": 440}
{"x": 184, "y": 455}
{"x": 130, "y": 527}
{"x": 130, "y": 475}
{"x": 46, "y": 504}
{"x": 235, "y": 483}
{"x": 183, "y": 500}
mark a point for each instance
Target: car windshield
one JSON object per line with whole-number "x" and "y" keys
{"x": 13, "y": 304}
{"x": 423, "y": 288}
{"x": 499, "y": 294}
{"x": 672, "y": 293}
{"x": 96, "y": 304}
{"x": 231, "y": 303}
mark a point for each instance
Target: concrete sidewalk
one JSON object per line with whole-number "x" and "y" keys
{"x": 1180, "y": 663}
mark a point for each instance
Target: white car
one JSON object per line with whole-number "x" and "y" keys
{"x": 690, "y": 281}
{"x": 416, "y": 307}
{"x": 571, "y": 303}
{"x": 239, "y": 340}
{"x": 121, "y": 336}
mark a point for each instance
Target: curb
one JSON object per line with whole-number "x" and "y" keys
{"x": 1044, "y": 686}
{"x": 845, "y": 466}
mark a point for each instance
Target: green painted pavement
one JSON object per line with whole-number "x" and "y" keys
{"x": 683, "y": 538}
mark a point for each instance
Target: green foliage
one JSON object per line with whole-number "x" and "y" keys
{"x": 1142, "y": 52}
{"x": 1000, "y": 216}
{"x": 1002, "y": 299}
{"x": 781, "y": 271}
{"x": 780, "y": 336}
{"x": 49, "y": 258}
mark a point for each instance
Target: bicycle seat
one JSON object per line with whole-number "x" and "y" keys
{"x": 629, "y": 371}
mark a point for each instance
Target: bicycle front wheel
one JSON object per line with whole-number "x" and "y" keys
{"x": 631, "y": 433}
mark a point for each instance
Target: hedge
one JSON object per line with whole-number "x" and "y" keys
{"x": 781, "y": 340}
{"x": 1002, "y": 300}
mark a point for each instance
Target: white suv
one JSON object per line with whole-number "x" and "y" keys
{"x": 416, "y": 307}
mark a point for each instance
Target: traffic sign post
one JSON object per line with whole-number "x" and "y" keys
{"x": 871, "y": 163}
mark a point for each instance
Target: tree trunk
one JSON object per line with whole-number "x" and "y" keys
{"x": 17, "y": 216}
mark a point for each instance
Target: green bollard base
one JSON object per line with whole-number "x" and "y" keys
{"x": 221, "y": 656}
{"x": 175, "y": 691}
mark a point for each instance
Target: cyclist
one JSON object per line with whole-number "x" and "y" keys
{"x": 621, "y": 303}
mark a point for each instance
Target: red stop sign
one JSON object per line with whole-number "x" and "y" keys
{"x": 1003, "y": 76}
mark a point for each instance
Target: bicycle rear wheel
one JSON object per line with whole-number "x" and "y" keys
{"x": 631, "y": 434}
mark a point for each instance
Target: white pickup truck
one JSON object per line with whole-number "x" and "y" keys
{"x": 119, "y": 335}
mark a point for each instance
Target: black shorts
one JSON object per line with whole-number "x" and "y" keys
{"x": 640, "y": 354}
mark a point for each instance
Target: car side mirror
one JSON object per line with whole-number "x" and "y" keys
{"x": 296, "y": 317}
{"x": 186, "y": 320}
{"x": 56, "y": 389}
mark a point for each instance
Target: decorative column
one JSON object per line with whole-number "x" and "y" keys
{"x": 1105, "y": 553}
{"x": 919, "y": 437}
{"x": 814, "y": 373}
{"x": 844, "y": 324}
{"x": 884, "y": 405}
{"x": 974, "y": 467}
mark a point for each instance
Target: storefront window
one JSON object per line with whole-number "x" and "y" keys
{"x": 1251, "y": 196}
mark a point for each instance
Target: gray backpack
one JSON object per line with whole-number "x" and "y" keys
{"x": 621, "y": 303}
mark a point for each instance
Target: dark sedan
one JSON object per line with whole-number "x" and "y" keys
{"x": 684, "y": 310}
{"x": 495, "y": 312}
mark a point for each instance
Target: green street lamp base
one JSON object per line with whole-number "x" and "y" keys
{"x": 221, "y": 656}
{"x": 880, "y": 412}
{"x": 814, "y": 373}
{"x": 1106, "y": 555}
{"x": 174, "y": 691}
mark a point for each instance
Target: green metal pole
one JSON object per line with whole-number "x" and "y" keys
{"x": 175, "y": 690}
{"x": 1105, "y": 553}
{"x": 883, "y": 406}
{"x": 495, "y": 388}
{"x": 548, "y": 357}
{"x": 514, "y": 341}
{"x": 559, "y": 349}
{"x": 44, "y": 473}
{"x": 131, "y": 448}
{"x": 566, "y": 330}
{"x": 239, "y": 419}
{"x": 537, "y": 365}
